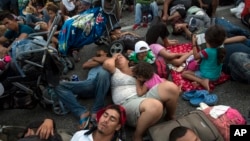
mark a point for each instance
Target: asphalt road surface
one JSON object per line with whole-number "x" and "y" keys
{"x": 230, "y": 93}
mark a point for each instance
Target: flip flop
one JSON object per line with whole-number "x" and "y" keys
{"x": 188, "y": 95}
{"x": 85, "y": 119}
{"x": 211, "y": 99}
{"x": 199, "y": 97}
{"x": 193, "y": 93}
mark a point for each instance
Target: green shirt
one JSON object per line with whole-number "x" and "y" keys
{"x": 145, "y": 1}
{"x": 150, "y": 58}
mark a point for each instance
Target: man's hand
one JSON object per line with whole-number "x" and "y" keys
{"x": 46, "y": 129}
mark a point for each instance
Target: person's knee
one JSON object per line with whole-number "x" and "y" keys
{"x": 154, "y": 107}
{"x": 102, "y": 73}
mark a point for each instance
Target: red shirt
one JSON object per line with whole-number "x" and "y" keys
{"x": 246, "y": 8}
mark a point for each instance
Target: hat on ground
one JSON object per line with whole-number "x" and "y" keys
{"x": 28, "y": 10}
{"x": 141, "y": 46}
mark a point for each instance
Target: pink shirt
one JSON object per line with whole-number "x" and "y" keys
{"x": 153, "y": 81}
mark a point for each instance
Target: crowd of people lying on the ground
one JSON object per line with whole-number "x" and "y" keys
{"x": 134, "y": 76}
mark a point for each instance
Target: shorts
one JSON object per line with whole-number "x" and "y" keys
{"x": 198, "y": 74}
{"x": 132, "y": 107}
{"x": 133, "y": 103}
{"x": 153, "y": 93}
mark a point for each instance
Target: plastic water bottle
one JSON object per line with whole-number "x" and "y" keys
{"x": 74, "y": 77}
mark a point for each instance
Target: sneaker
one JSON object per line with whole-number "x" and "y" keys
{"x": 136, "y": 26}
{"x": 145, "y": 25}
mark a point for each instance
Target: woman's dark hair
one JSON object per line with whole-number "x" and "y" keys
{"x": 215, "y": 37}
{"x": 178, "y": 132}
{"x": 143, "y": 69}
{"x": 221, "y": 53}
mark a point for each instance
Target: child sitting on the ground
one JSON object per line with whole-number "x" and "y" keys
{"x": 146, "y": 77}
{"x": 141, "y": 52}
{"x": 211, "y": 57}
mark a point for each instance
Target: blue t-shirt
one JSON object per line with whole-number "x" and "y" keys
{"x": 209, "y": 67}
{"x": 12, "y": 35}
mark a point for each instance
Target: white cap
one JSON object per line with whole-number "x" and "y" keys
{"x": 141, "y": 44}
{"x": 1, "y": 89}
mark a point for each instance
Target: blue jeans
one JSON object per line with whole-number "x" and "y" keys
{"x": 231, "y": 29}
{"x": 96, "y": 85}
{"x": 138, "y": 11}
{"x": 240, "y": 67}
{"x": 230, "y": 49}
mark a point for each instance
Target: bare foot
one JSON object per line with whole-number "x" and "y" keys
{"x": 205, "y": 84}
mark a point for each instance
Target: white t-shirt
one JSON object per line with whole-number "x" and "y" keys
{"x": 79, "y": 136}
{"x": 123, "y": 86}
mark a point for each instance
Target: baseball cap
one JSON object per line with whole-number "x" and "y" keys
{"x": 141, "y": 44}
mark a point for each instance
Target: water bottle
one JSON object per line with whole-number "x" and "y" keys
{"x": 74, "y": 77}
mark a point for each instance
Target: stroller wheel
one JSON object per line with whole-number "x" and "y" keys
{"x": 116, "y": 47}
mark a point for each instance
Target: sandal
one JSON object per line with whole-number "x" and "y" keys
{"x": 86, "y": 120}
{"x": 76, "y": 56}
{"x": 93, "y": 122}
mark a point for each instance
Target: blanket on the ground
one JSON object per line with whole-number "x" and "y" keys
{"x": 186, "y": 84}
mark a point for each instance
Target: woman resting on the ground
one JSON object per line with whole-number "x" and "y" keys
{"x": 142, "y": 112}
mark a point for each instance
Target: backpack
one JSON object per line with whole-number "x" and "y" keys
{"x": 195, "y": 120}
